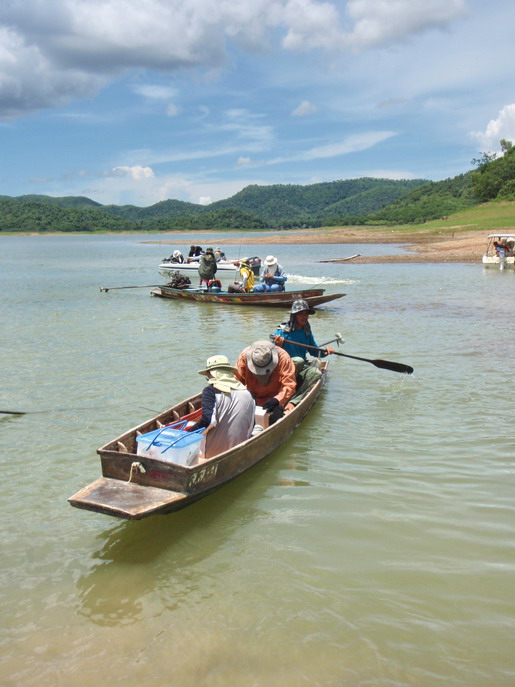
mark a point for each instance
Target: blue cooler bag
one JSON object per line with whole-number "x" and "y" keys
{"x": 172, "y": 444}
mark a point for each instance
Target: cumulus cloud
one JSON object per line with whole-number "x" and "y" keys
{"x": 136, "y": 172}
{"x": 305, "y": 108}
{"x": 55, "y": 50}
{"x": 204, "y": 200}
{"x": 496, "y": 129}
{"x": 378, "y": 22}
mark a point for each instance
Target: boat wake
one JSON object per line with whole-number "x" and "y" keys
{"x": 317, "y": 281}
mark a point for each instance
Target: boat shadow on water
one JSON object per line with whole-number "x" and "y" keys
{"x": 127, "y": 566}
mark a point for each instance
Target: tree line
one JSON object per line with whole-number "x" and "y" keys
{"x": 364, "y": 201}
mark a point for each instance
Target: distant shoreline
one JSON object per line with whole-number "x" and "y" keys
{"x": 423, "y": 246}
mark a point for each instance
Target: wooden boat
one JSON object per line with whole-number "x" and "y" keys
{"x": 134, "y": 487}
{"x": 269, "y": 299}
{"x": 499, "y": 251}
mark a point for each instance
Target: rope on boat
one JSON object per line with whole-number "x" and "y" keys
{"x": 136, "y": 466}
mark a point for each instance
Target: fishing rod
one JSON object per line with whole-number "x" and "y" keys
{"x": 139, "y": 286}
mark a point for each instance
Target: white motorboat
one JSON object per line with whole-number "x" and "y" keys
{"x": 499, "y": 251}
{"x": 227, "y": 270}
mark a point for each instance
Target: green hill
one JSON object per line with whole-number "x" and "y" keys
{"x": 74, "y": 202}
{"x": 427, "y": 202}
{"x": 286, "y": 206}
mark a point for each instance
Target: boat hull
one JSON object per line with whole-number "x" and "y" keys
{"x": 134, "y": 487}
{"x": 267, "y": 299}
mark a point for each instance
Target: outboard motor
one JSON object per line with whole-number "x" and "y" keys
{"x": 255, "y": 265}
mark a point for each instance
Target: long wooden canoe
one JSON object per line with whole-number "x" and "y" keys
{"x": 269, "y": 299}
{"x": 134, "y": 487}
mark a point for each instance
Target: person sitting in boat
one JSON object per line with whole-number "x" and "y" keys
{"x": 500, "y": 249}
{"x": 298, "y": 330}
{"x": 272, "y": 277}
{"x": 228, "y": 409}
{"x": 269, "y": 374}
{"x": 207, "y": 267}
{"x": 246, "y": 285}
{"x": 195, "y": 253}
{"x": 177, "y": 257}
{"x": 219, "y": 254}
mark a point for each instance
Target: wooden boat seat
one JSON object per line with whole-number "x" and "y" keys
{"x": 124, "y": 499}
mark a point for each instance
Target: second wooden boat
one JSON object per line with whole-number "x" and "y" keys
{"x": 268, "y": 299}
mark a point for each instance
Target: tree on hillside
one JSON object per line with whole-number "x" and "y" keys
{"x": 495, "y": 176}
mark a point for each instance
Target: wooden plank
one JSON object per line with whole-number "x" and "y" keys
{"x": 125, "y": 499}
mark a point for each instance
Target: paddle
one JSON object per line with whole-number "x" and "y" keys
{"x": 142, "y": 286}
{"x": 384, "y": 364}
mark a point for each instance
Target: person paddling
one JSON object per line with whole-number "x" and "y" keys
{"x": 298, "y": 330}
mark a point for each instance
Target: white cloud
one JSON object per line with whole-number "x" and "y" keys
{"x": 204, "y": 200}
{"x": 172, "y": 110}
{"x": 305, "y": 108}
{"x": 155, "y": 92}
{"x": 496, "y": 129}
{"x": 378, "y": 22}
{"x": 55, "y": 50}
{"x": 243, "y": 162}
{"x": 136, "y": 172}
{"x": 351, "y": 144}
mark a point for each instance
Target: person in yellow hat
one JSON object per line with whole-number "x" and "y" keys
{"x": 246, "y": 285}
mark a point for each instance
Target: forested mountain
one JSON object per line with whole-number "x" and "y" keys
{"x": 75, "y": 202}
{"x": 168, "y": 209}
{"x": 430, "y": 201}
{"x": 255, "y": 207}
{"x": 286, "y": 205}
{"x": 364, "y": 201}
{"x": 44, "y": 216}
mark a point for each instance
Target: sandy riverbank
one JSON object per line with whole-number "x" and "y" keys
{"x": 420, "y": 247}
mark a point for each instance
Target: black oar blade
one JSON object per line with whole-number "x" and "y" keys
{"x": 395, "y": 367}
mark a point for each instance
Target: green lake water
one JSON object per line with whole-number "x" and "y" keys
{"x": 375, "y": 548}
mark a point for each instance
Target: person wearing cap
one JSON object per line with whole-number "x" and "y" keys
{"x": 298, "y": 330}
{"x": 269, "y": 374}
{"x": 228, "y": 409}
{"x": 207, "y": 266}
{"x": 219, "y": 254}
{"x": 272, "y": 277}
{"x": 246, "y": 285}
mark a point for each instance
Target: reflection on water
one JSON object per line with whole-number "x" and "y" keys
{"x": 374, "y": 547}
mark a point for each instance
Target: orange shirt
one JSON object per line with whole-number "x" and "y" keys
{"x": 281, "y": 385}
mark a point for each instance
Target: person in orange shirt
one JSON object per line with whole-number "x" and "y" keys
{"x": 269, "y": 374}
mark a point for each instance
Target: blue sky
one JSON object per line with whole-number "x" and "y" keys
{"x": 137, "y": 101}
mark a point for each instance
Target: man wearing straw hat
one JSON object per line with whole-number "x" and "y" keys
{"x": 272, "y": 276}
{"x": 228, "y": 409}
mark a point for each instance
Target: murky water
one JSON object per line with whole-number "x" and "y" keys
{"x": 375, "y": 548}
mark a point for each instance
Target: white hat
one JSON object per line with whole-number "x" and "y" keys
{"x": 262, "y": 358}
{"x": 270, "y": 260}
